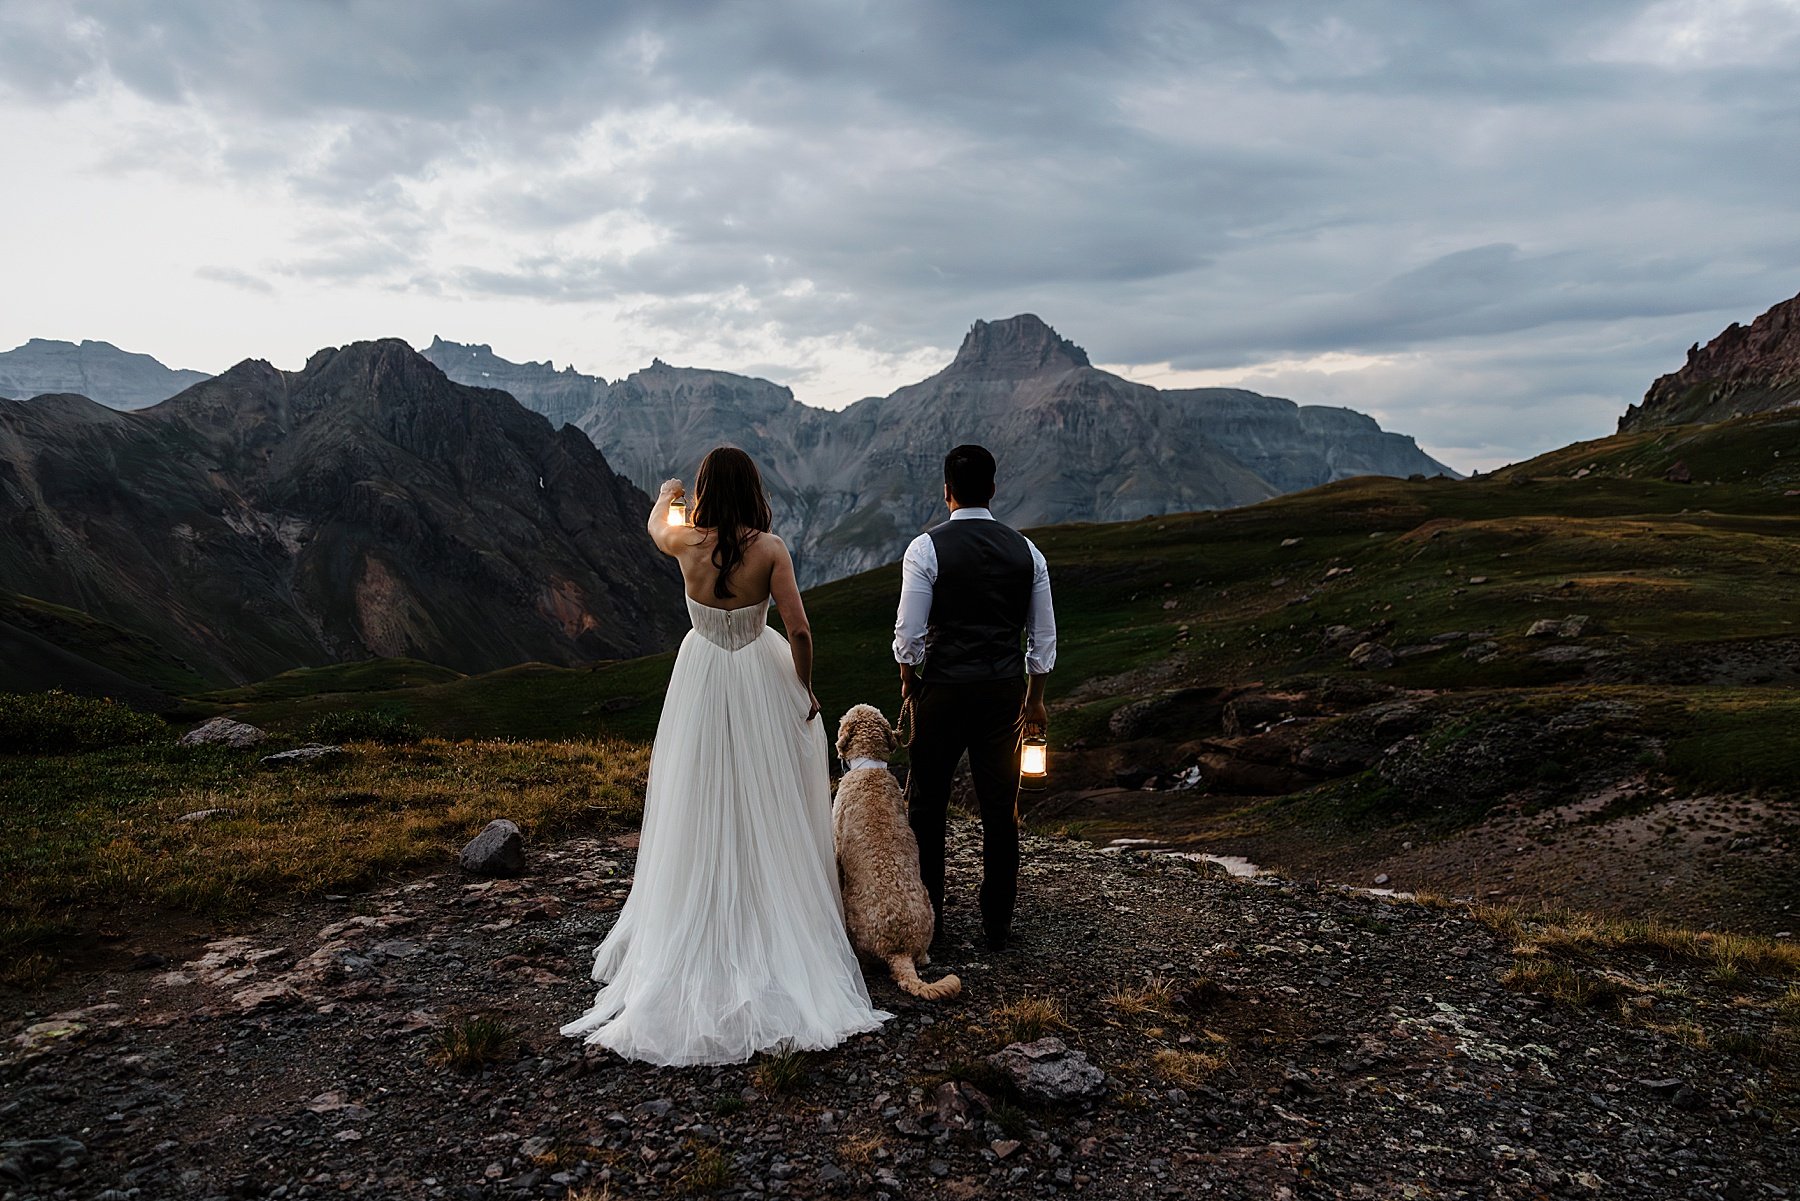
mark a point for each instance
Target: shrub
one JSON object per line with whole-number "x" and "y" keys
{"x": 1028, "y": 1019}
{"x": 468, "y": 1043}
{"x": 57, "y": 722}
{"x": 363, "y": 725}
{"x": 781, "y": 1071}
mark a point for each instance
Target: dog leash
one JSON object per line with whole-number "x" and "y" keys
{"x": 906, "y": 725}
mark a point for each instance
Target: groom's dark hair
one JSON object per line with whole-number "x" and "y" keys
{"x": 969, "y": 474}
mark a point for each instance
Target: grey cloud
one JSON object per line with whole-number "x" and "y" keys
{"x": 1206, "y": 185}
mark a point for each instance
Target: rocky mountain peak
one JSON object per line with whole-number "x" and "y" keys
{"x": 1746, "y": 369}
{"x": 1020, "y": 346}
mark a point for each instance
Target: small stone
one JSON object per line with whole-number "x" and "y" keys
{"x": 1371, "y": 656}
{"x": 201, "y": 815}
{"x": 1003, "y": 1147}
{"x": 499, "y": 850}
{"x": 273, "y": 994}
{"x": 1544, "y": 627}
{"x": 1381, "y": 879}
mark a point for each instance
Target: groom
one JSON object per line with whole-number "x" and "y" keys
{"x": 971, "y": 590}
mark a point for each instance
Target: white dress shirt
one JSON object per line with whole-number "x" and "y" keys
{"x": 918, "y": 575}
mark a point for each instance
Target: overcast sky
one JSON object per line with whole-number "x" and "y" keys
{"x": 1488, "y": 224}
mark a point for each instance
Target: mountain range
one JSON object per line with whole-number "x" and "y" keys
{"x": 99, "y": 370}
{"x": 1074, "y": 443}
{"x": 362, "y": 506}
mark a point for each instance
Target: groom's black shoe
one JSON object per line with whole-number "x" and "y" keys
{"x": 995, "y": 940}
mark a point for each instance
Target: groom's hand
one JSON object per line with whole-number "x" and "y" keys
{"x": 1036, "y": 716}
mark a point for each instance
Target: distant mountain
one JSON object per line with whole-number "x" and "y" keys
{"x": 364, "y": 505}
{"x": 1074, "y": 443}
{"x": 563, "y": 396}
{"x": 97, "y": 370}
{"x": 1743, "y": 370}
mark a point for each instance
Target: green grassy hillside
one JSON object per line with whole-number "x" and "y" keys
{"x": 1658, "y": 569}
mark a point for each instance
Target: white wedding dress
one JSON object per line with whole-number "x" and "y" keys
{"x": 732, "y": 940}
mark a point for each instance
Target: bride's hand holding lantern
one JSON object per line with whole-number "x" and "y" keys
{"x": 676, "y": 496}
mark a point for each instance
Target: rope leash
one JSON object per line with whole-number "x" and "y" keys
{"x": 906, "y": 725}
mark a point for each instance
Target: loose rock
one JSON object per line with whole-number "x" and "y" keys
{"x": 1048, "y": 1071}
{"x": 304, "y": 754}
{"x": 499, "y": 850}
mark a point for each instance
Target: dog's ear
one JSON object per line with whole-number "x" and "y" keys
{"x": 889, "y": 736}
{"x": 846, "y": 728}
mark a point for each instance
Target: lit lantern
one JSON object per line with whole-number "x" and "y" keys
{"x": 1034, "y": 763}
{"x": 678, "y": 511}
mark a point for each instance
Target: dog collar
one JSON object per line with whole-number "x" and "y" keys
{"x": 859, "y": 763}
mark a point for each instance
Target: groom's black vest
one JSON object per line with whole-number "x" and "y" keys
{"x": 979, "y": 604}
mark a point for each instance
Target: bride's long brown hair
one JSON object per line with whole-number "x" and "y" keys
{"x": 729, "y": 500}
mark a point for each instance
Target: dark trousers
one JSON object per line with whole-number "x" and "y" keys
{"x": 986, "y": 720}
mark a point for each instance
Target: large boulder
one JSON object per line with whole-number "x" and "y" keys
{"x": 1371, "y": 656}
{"x": 499, "y": 850}
{"x": 223, "y": 731}
{"x": 1049, "y": 1072}
{"x": 1183, "y": 713}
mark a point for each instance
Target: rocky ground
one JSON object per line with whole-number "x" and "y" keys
{"x": 1258, "y": 1039}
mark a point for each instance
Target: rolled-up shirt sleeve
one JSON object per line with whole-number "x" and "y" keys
{"x": 918, "y": 575}
{"x": 1040, "y": 619}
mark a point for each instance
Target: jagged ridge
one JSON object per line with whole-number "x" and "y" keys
{"x": 1075, "y": 443}
{"x": 1744, "y": 370}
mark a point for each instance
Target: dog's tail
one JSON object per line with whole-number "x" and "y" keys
{"x": 906, "y": 975}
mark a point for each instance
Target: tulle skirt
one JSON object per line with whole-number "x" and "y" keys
{"x": 732, "y": 940}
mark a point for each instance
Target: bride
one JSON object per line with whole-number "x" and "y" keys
{"x": 732, "y": 940}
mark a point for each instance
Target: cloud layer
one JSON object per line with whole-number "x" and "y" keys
{"x": 1490, "y": 224}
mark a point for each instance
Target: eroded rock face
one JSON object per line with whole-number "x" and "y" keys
{"x": 850, "y": 489}
{"x": 1746, "y": 369}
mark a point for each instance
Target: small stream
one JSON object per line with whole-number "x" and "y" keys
{"x": 1234, "y": 865}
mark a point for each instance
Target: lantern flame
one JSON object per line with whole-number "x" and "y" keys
{"x": 1033, "y": 758}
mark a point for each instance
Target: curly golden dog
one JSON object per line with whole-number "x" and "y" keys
{"x": 885, "y": 906}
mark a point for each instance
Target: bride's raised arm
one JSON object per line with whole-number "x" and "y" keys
{"x": 786, "y": 591}
{"x": 668, "y": 538}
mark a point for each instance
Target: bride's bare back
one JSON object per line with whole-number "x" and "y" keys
{"x": 767, "y": 570}
{"x": 752, "y": 581}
